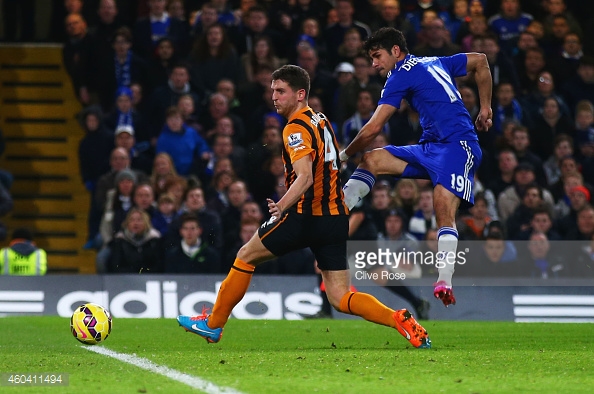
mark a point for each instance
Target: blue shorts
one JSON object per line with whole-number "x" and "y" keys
{"x": 450, "y": 164}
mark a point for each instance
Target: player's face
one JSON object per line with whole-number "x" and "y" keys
{"x": 285, "y": 99}
{"x": 384, "y": 61}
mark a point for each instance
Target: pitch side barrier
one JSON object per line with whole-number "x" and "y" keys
{"x": 291, "y": 297}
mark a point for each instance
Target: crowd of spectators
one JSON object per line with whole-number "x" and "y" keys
{"x": 182, "y": 141}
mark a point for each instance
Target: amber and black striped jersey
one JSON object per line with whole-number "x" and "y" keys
{"x": 310, "y": 133}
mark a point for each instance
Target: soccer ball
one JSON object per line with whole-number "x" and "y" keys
{"x": 90, "y": 323}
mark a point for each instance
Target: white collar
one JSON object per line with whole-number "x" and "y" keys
{"x": 162, "y": 19}
{"x": 190, "y": 250}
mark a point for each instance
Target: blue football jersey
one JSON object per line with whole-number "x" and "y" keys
{"x": 427, "y": 84}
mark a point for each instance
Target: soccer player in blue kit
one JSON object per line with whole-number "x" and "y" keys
{"x": 448, "y": 152}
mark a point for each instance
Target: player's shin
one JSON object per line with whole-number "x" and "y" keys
{"x": 357, "y": 187}
{"x": 368, "y": 307}
{"x": 447, "y": 244}
{"x": 231, "y": 292}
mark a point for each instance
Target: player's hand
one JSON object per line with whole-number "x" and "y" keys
{"x": 274, "y": 209}
{"x": 484, "y": 120}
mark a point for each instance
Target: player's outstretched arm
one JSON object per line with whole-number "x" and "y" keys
{"x": 478, "y": 65}
{"x": 303, "y": 170}
{"x": 368, "y": 132}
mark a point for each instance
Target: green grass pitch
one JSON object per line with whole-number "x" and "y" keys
{"x": 327, "y": 356}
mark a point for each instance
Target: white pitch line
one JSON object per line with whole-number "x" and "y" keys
{"x": 192, "y": 381}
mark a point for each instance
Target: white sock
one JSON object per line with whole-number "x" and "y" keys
{"x": 357, "y": 187}
{"x": 447, "y": 244}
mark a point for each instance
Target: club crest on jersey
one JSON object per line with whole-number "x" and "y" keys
{"x": 295, "y": 139}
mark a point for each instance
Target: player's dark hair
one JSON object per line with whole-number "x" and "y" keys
{"x": 296, "y": 77}
{"x": 386, "y": 38}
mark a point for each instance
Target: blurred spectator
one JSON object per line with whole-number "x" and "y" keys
{"x": 256, "y": 23}
{"x": 562, "y": 147}
{"x": 192, "y": 255}
{"x": 526, "y": 40}
{"x": 183, "y": 144}
{"x": 579, "y": 198}
{"x": 143, "y": 197}
{"x": 214, "y": 58}
{"x": 77, "y": 56}
{"x": 424, "y": 217}
{"x": 210, "y": 221}
{"x": 187, "y": 108}
{"x": 227, "y": 88}
{"x": 22, "y": 257}
{"x": 584, "y": 124}
{"x": 350, "y": 47}
{"x": 406, "y": 196}
{"x": 542, "y": 261}
{"x": 506, "y": 107}
{"x": 166, "y": 212}
{"x": 322, "y": 82}
{"x": 438, "y": 42}
{"x": 567, "y": 166}
{"x": 508, "y": 24}
{"x": 218, "y": 108}
{"x": 502, "y": 67}
{"x": 175, "y": 8}
{"x": 205, "y": 18}
{"x": 124, "y": 114}
{"x": 490, "y": 260}
{"x": 474, "y": 225}
{"x": 310, "y": 35}
{"x": 217, "y": 193}
{"x": 119, "y": 160}
{"x": 60, "y": 10}
{"x": 93, "y": 157}
{"x": 553, "y": 42}
{"x": 237, "y": 194}
{"x": 136, "y": 248}
{"x": 102, "y": 31}
{"x": 506, "y": 164}
{"x": 163, "y": 168}
{"x": 533, "y": 103}
{"x": 415, "y": 10}
{"x": 584, "y": 231}
{"x": 512, "y": 196}
{"x": 335, "y": 33}
{"x": 162, "y": 65}
{"x": 366, "y": 106}
{"x": 521, "y": 146}
{"x": 534, "y": 64}
{"x": 550, "y": 124}
{"x": 390, "y": 16}
{"x": 149, "y": 30}
{"x": 177, "y": 186}
{"x": 566, "y": 63}
{"x": 564, "y": 206}
{"x": 168, "y": 95}
{"x": 262, "y": 52}
{"x": 119, "y": 201}
{"x": 141, "y": 157}
{"x": 477, "y": 27}
{"x": 541, "y": 222}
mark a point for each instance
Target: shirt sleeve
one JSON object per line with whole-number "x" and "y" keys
{"x": 393, "y": 92}
{"x": 297, "y": 142}
{"x": 456, "y": 64}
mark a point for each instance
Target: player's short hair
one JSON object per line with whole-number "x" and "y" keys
{"x": 296, "y": 77}
{"x": 386, "y": 38}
